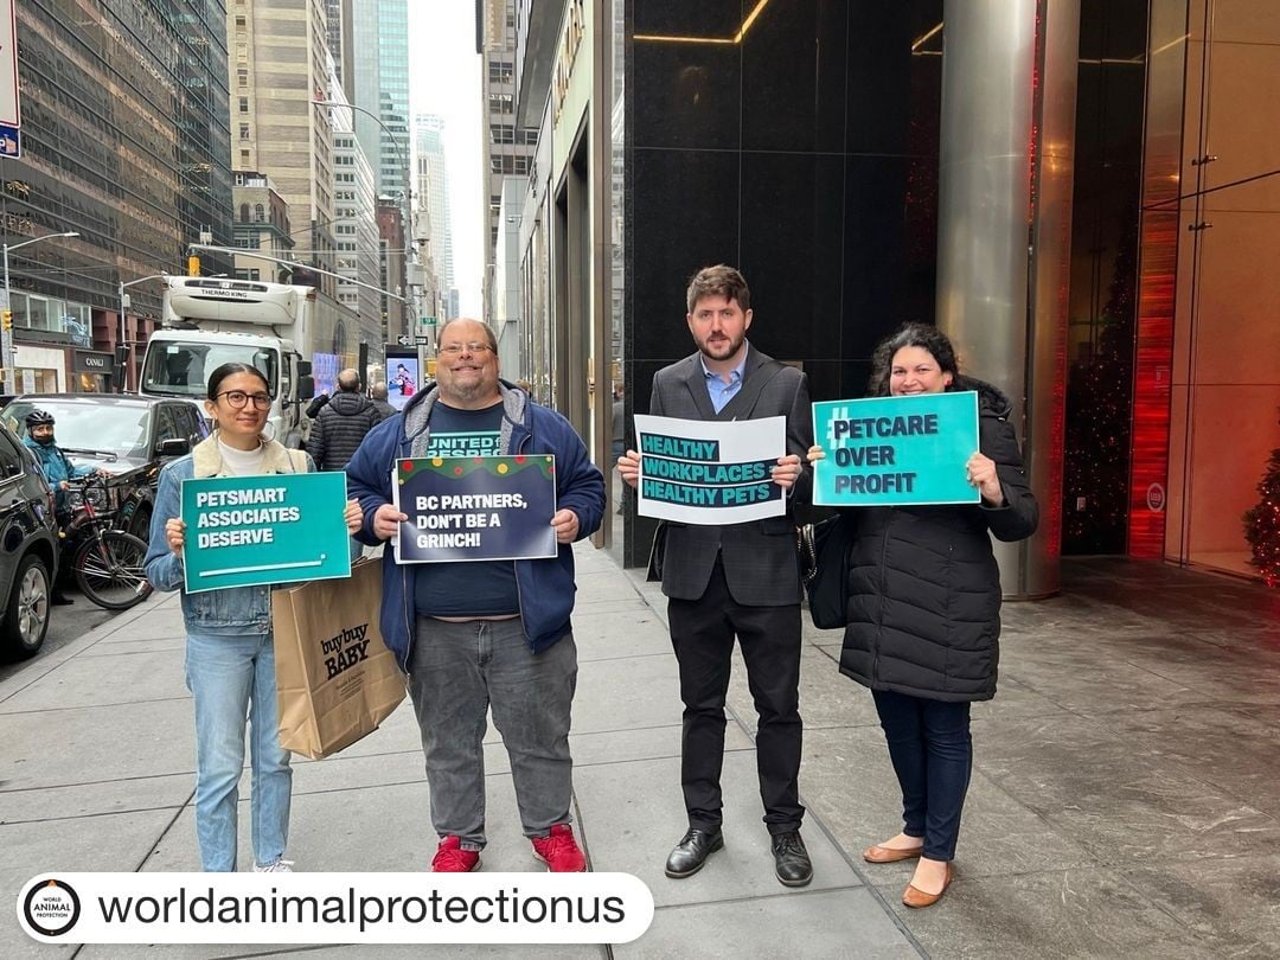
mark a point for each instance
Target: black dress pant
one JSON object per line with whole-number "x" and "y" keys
{"x": 702, "y": 633}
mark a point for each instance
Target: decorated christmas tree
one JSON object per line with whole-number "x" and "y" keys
{"x": 1262, "y": 524}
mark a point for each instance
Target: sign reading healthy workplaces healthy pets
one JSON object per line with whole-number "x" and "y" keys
{"x": 709, "y": 472}
{"x": 895, "y": 451}
{"x": 276, "y": 528}
{"x": 475, "y": 508}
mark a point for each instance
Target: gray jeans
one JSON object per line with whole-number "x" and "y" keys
{"x": 457, "y": 672}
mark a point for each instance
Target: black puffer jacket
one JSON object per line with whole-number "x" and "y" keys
{"x": 924, "y": 589}
{"x": 339, "y": 428}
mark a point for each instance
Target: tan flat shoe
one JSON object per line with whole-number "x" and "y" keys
{"x": 879, "y": 854}
{"x": 914, "y": 897}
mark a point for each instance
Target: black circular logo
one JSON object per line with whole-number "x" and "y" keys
{"x": 51, "y": 908}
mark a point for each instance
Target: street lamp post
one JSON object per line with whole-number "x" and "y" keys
{"x": 403, "y": 150}
{"x": 124, "y": 306}
{"x": 6, "y": 335}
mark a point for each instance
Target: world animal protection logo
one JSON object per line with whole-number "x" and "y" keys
{"x": 475, "y": 508}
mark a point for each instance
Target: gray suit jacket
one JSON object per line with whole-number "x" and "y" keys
{"x": 760, "y": 556}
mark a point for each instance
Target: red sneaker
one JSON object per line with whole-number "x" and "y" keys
{"x": 560, "y": 851}
{"x": 451, "y": 858}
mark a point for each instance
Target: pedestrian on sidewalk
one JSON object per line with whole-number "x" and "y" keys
{"x": 378, "y": 396}
{"x": 924, "y": 610}
{"x": 738, "y": 579}
{"x": 485, "y": 634}
{"x": 340, "y": 427}
{"x": 230, "y": 662}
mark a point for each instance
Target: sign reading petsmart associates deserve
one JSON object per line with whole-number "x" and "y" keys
{"x": 895, "y": 451}
{"x": 709, "y": 472}
{"x": 276, "y": 528}
{"x": 475, "y": 508}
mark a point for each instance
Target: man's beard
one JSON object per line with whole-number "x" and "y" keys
{"x": 735, "y": 344}
{"x": 44, "y": 441}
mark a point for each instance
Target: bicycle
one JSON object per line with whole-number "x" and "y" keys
{"x": 107, "y": 562}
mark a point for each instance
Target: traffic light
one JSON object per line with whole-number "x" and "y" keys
{"x": 6, "y": 319}
{"x": 193, "y": 266}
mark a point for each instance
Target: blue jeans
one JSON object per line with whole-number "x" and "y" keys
{"x": 932, "y": 755}
{"x": 231, "y": 677}
{"x": 457, "y": 671}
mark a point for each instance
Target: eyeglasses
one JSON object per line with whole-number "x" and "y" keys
{"x": 453, "y": 349}
{"x": 238, "y": 398}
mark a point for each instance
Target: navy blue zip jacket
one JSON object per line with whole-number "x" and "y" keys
{"x": 547, "y": 586}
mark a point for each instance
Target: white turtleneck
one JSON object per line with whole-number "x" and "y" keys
{"x": 243, "y": 463}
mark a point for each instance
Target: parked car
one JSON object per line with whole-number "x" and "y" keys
{"x": 128, "y": 436}
{"x": 28, "y": 550}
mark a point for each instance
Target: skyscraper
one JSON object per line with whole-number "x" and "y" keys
{"x": 125, "y": 141}
{"x": 380, "y": 55}
{"x": 278, "y": 57}
{"x": 508, "y": 148}
{"x": 432, "y": 189}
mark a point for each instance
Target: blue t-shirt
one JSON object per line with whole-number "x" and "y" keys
{"x": 482, "y": 588}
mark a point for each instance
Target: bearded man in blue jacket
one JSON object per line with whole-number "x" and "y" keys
{"x": 485, "y": 634}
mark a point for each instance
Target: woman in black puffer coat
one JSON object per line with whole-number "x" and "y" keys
{"x": 924, "y": 610}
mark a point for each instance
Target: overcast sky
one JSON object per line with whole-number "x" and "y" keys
{"x": 445, "y": 79}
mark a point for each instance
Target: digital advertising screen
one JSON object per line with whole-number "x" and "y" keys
{"x": 403, "y": 377}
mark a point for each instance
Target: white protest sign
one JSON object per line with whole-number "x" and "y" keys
{"x": 709, "y": 472}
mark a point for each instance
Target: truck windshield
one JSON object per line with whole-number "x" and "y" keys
{"x": 177, "y": 369}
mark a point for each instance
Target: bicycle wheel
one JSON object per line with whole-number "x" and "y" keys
{"x": 109, "y": 570}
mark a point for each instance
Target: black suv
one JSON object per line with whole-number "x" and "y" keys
{"x": 128, "y": 436}
{"x": 28, "y": 550}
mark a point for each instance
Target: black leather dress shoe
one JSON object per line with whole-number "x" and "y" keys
{"x": 692, "y": 852}
{"x": 791, "y": 860}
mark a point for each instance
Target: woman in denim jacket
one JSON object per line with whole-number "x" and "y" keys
{"x": 230, "y": 662}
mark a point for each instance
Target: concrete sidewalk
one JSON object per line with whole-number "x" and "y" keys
{"x": 1124, "y": 799}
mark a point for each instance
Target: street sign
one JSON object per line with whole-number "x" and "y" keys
{"x": 404, "y": 340}
{"x": 427, "y": 321}
{"x": 10, "y": 142}
{"x": 9, "y": 113}
{"x": 421, "y": 341}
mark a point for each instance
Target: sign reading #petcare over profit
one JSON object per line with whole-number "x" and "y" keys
{"x": 277, "y": 528}
{"x": 895, "y": 451}
{"x": 476, "y": 508}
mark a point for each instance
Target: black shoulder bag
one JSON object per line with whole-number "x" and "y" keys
{"x": 824, "y": 569}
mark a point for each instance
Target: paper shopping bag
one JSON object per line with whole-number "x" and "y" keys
{"x": 336, "y": 681}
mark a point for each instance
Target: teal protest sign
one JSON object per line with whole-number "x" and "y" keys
{"x": 276, "y": 528}
{"x": 895, "y": 451}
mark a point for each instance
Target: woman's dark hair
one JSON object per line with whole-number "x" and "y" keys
{"x": 923, "y": 335}
{"x": 227, "y": 369}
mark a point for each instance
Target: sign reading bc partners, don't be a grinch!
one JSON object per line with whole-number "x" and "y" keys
{"x": 475, "y": 508}
{"x": 277, "y": 528}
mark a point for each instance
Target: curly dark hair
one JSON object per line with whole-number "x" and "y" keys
{"x": 923, "y": 335}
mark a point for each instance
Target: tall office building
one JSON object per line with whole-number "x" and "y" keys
{"x": 278, "y": 64}
{"x": 380, "y": 52}
{"x": 338, "y": 38}
{"x": 432, "y": 190}
{"x": 355, "y": 205}
{"x": 124, "y": 141}
{"x": 508, "y": 148}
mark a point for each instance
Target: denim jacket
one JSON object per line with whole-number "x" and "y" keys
{"x": 235, "y": 610}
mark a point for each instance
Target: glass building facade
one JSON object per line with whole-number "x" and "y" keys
{"x": 126, "y": 141}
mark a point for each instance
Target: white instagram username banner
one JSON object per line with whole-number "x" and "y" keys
{"x": 318, "y": 908}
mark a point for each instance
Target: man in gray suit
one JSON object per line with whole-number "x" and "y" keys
{"x": 737, "y": 579}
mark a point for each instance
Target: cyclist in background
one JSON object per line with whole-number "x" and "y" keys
{"x": 58, "y": 471}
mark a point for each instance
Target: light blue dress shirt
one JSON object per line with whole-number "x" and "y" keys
{"x": 720, "y": 391}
